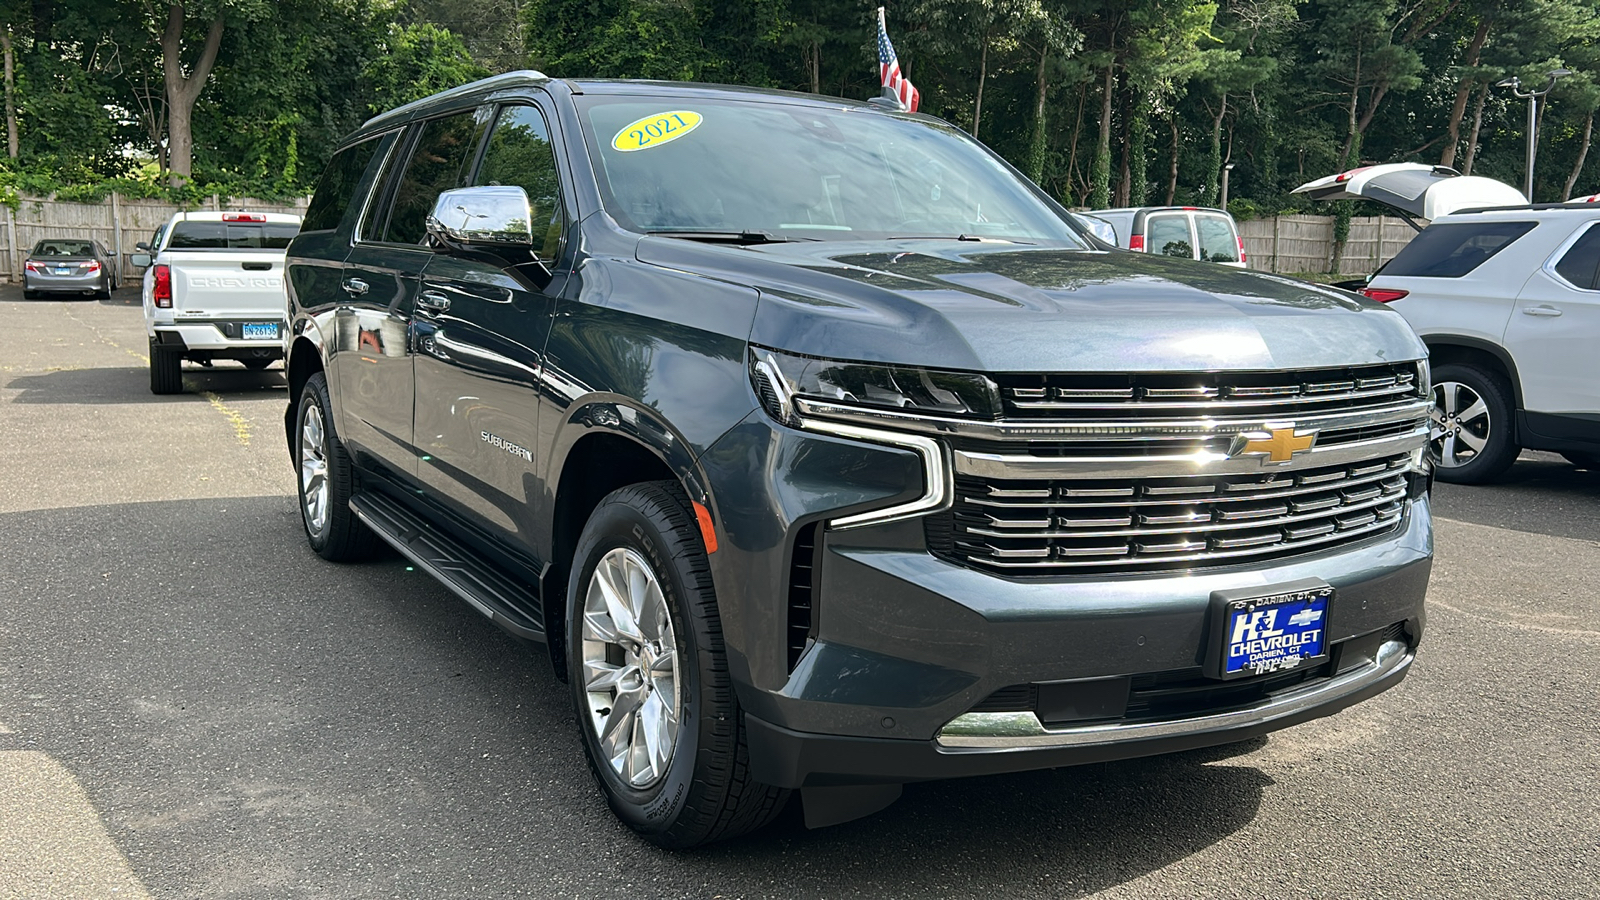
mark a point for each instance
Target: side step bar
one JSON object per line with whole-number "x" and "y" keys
{"x": 463, "y": 570}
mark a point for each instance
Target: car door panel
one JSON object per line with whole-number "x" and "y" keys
{"x": 1555, "y": 328}
{"x": 482, "y": 327}
{"x": 372, "y": 353}
{"x": 480, "y": 337}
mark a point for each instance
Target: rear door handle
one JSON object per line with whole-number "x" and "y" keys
{"x": 1547, "y": 311}
{"x": 355, "y": 287}
{"x": 433, "y": 300}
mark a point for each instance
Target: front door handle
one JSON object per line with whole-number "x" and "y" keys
{"x": 433, "y": 300}
{"x": 1547, "y": 311}
{"x": 355, "y": 287}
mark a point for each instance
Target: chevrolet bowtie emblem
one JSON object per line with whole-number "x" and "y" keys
{"x": 1277, "y": 445}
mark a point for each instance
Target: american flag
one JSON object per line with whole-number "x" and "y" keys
{"x": 889, "y": 69}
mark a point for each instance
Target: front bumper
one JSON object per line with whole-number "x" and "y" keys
{"x": 795, "y": 759}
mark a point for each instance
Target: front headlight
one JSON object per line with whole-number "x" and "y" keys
{"x": 1424, "y": 379}
{"x": 779, "y": 378}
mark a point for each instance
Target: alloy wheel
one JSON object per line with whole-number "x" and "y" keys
{"x": 314, "y": 486}
{"x": 1459, "y": 424}
{"x": 630, "y": 668}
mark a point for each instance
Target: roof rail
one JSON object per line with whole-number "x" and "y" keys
{"x": 507, "y": 79}
{"x": 1529, "y": 206}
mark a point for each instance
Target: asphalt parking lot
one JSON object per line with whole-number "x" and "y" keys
{"x": 194, "y": 705}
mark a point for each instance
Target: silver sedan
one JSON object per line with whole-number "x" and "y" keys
{"x": 69, "y": 266}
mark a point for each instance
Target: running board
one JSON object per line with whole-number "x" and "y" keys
{"x": 461, "y": 569}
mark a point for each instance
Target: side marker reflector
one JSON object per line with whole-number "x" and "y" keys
{"x": 708, "y": 532}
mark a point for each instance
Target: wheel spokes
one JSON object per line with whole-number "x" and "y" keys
{"x": 629, "y": 667}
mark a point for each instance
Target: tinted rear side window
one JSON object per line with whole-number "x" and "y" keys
{"x": 1218, "y": 243}
{"x": 232, "y": 236}
{"x": 1578, "y": 264}
{"x": 1453, "y": 249}
{"x": 337, "y": 187}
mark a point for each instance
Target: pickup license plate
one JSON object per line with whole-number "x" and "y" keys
{"x": 261, "y": 331}
{"x": 1270, "y": 632}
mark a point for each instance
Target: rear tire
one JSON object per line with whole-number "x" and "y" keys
{"x": 1471, "y": 434}
{"x": 30, "y": 295}
{"x": 643, "y": 630}
{"x": 166, "y": 370}
{"x": 327, "y": 480}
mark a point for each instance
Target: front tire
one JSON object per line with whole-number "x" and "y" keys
{"x": 661, "y": 728}
{"x": 327, "y": 480}
{"x": 1471, "y": 432}
{"x": 166, "y": 370}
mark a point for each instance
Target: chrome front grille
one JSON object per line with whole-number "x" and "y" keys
{"x": 1187, "y": 395}
{"x": 1130, "y": 524}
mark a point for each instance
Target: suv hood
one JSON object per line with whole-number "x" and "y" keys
{"x": 996, "y": 307}
{"x": 1414, "y": 189}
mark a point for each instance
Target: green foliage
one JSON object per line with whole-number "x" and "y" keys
{"x": 1286, "y": 90}
{"x": 415, "y": 61}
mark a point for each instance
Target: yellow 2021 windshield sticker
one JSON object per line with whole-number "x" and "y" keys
{"x": 655, "y": 130}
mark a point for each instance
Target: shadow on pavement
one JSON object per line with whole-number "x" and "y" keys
{"x": 132, "y": 385}
{"x": 217, "y": 686}
{"x": 1541, "y": 494}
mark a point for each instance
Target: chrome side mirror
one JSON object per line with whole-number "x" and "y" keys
{"x": 139, "y": 260}
{"x": 497, "y": 217}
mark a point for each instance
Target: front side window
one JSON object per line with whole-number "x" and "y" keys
{"x": 1578, "y": 264}
{"x": 439, "y": 162}
{"x": 1168, "y": 236}
{"x": 519, "y": 155}
{"x": 1218, "y": 242}
{"x": 802, "y": 171}
{"x": 1452, "y": 249}
{"x": 337, "y": 186}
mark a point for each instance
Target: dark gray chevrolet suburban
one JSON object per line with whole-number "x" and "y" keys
{"x": 822, "y": 452}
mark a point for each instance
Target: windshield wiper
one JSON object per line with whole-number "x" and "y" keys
{"x": 729, "y": 237}
{"x": 956, "y": 237}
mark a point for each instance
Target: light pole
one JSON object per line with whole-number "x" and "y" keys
{"x": 1532, "y": 96}
{"x": 1226, "y": 170}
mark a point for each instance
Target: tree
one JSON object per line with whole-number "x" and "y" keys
{"x": 184, "y": 89}
{"x": 415, "y": 61}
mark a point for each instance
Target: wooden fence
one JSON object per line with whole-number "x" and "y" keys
{"x": 1305, "y": 243}
{"x": 117, "y": 222}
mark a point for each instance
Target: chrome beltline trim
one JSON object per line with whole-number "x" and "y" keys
{"x": 1100, "y": 430}
{"x": 1203, "y": 462}
{"x": 1023, "y": 730}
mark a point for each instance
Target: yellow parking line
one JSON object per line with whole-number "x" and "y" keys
{"x": 241, "y": 425}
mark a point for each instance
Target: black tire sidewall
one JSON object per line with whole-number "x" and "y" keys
{"x": 1501, "y": 449}
{"x": 619, "y": 521}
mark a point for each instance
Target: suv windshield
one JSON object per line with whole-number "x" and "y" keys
{"x": 805, "y": 172}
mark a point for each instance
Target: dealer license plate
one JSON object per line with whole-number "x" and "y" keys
{"x": 260, "y": 331}
{"x": 1272, "y": 632}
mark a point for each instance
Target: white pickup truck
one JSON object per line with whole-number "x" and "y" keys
{"x": 213, "y": 289}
